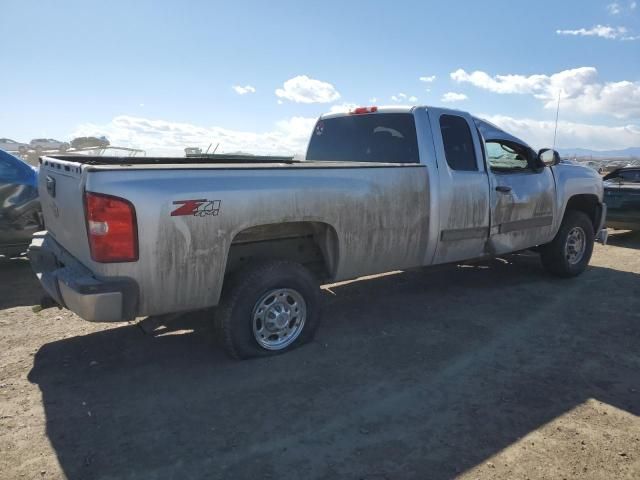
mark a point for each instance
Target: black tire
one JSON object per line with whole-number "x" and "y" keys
{"x": 553, "y": 254}
{"x": 242, "y": 293}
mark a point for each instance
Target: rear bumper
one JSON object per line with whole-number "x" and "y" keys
{"x": 76, "y": 288}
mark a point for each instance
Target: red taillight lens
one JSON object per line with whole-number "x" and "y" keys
{"x": 361, "y": 110}
{"x": 111, "y": 228}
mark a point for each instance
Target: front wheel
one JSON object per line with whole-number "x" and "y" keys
{"x": 570, "y": 251}
{"x": 267, "y": 309}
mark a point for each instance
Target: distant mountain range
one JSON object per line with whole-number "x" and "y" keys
{"x": 585, "y": 152}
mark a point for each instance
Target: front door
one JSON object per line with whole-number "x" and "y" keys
{"x": 522, "y": 197}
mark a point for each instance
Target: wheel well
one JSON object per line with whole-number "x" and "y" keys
{"x": 312, "y": 244}
{"x": 586, "y": 203}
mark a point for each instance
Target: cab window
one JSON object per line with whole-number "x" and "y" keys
{"x": 388, "y": 138}
{"x": 458, "y": 143}
{"x": 505, "y": 156}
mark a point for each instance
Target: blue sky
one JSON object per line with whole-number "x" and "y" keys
{"x": 160, "y": 74}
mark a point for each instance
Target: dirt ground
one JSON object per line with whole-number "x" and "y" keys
{"x": 490, "y": 371}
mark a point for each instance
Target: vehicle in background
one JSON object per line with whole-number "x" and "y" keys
{"x": 41, "y": 144}
{"x": 20, "y": 213}
{"x": 596, "y": 166}
{"x": 381, "y": 189}
{"x": 192, "y": 151}
{"x": 9, "y": 145}
{"x": 622, "y": 195}
{"x": 89, "y": 142}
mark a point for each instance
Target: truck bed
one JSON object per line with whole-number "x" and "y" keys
{"x": 205, "y": 158}
{"x": 205, "y": 161}
{"x": 183, "y": 258}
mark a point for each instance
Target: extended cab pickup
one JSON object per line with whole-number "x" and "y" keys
{"x": 380, "y": 189}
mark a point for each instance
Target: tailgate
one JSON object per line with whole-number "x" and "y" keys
{"x": 61, "y": 189}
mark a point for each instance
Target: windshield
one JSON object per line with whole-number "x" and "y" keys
{"x": 378, "y": 137}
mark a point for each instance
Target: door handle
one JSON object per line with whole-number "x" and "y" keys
{"x": 503, "y": 189}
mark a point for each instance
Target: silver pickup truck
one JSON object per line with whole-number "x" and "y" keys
{"x": 380, "y": 189}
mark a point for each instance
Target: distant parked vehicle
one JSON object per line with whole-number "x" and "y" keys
{"x": 20, "y": 213}
{"x": 89, "y": 142}
{"x": 192, "y": 151}
{"x": 12, "y": 146}
{"x": 622, "y": 194}
{"x": 48, "y": 144}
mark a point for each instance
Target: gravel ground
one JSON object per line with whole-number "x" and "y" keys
{"x": 489, "y": 371}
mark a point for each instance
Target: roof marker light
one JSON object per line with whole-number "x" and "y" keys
{"x": 361, "y": 110}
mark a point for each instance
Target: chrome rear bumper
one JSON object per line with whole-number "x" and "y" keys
{"x": 74, "y": 287}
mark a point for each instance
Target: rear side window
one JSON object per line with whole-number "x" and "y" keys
{"x": 458, "y": 143}
{"x": 376, "y": 137}
{"x": 632, "y": 176}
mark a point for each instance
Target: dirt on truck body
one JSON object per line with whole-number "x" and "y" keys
{"x": 380, "y": 189}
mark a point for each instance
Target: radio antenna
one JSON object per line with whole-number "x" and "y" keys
{"x": 555, "y": 130}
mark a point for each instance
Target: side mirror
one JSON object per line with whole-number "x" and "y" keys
{"x": 549, "y": 157}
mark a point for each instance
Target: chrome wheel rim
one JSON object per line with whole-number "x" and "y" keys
{"x": 575, "y": 245}
{"x": 278, "y": 318}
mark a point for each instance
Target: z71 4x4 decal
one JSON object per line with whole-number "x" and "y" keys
{"x": 197, "y": 208}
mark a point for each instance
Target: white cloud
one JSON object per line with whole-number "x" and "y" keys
{"x": 450, "y": 97}
{"x": 539, "y": 134}
{"x": 373, "y": 99}
{"x": 160, "y": 137}
{"x": 244, "y": 90}
{"x": 616, "y": 8}
{"x": 429, "y": 79}
{"x": 579, "y": 89}
{"x": 539, "y": 85}
{"x": 302, "y": 89}
{"x": 342, "y": 108}
{"x": 290, "y": 136}
{"x": 403, "y": 98}
{"x": 602, "y": 31}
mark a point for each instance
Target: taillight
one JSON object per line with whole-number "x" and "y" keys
{"x": 111, "y": 228}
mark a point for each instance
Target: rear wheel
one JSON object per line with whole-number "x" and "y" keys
{"x": 267, "y": 309}
{"x": 570, "y": 251}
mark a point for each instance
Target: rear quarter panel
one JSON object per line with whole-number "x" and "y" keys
{"x": 380, "y": 217}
